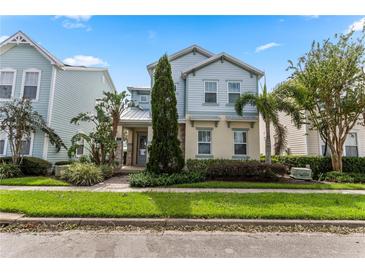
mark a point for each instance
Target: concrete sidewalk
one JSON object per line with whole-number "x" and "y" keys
{"x": 105, "y": 187}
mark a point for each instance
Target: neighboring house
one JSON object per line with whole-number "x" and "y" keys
{"x": 207, "y": 86}
{"x": 58, "y": 92}
{"x": 305, "y": 141}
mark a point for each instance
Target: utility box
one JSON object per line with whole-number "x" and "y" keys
{"x": 301, "y": 173}
{"x": 60, "y": 170}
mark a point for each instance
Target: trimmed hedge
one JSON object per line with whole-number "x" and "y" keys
{"x": 321, "y": 165}
{"x": 235, "y": 169}
{"x": 64, "y": 163}
{"x": 342, "y": 177}
{"x": 145, "y": 179}
{"x": 31, "y": 165}
{"x": 8, "y": 170}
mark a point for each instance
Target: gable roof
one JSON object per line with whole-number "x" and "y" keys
{"x": 21, "y": 38}
{"x": 176, "y": 55}
{"x": 222, "y": 56}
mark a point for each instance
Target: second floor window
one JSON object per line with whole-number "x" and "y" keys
{"x": 234, "y": 91}
{"x": 210, "y": 88}
{"x": 144, "y": 99}
{"x": 31, "y": 85}
{"x": 6, "y": 84}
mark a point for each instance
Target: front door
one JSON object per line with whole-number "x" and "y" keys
{"x": 141, "y": 148}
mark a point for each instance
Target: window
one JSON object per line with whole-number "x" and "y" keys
{"x": 80, "y": 148}
{"x": 26, "y": 145}
{"x": 7, "y": 82}
{"x": 240, "y": 142}
{"x": 234, "y": 91}
{"x": 325, "y": 152}
{"x": 2, "y": 144}
{"x": 204, "y": 142}
{"x": 210, "y": 88}
{"x": 351, "y": 148}
{"x": 144, "y": 98}
{"x": 31, "y": 84}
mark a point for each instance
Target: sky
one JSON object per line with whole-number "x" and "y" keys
{"x": 127, "y": 44}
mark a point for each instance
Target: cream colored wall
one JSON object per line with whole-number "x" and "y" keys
{"x": 222, "y": 139}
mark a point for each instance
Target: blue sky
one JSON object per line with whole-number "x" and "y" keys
{"x": 127, "y": 44}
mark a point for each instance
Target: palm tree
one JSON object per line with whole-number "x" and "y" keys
{"x": 269, "y": 105}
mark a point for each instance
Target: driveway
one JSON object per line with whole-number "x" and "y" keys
{"x": 78, "y": 243}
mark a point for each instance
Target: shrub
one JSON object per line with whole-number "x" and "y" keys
{"x": 8, "y": 170}
{"x": 235, "y": 169}
{"x": 342, "y": 177}
{"x": 31, "y": 165}
{"x": 145, "y": 179}
{"x": 83, "y": 174}
{"x": 353, "y": 164}
{"x": 107, "y": 171}
{"x": 84, "y": 159}
{"x": 63, "y": 163}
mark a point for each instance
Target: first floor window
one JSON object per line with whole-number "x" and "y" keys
{"x": 2, "y": 143}
{"x": 326, "y": 151}
{"x": 204, "y": 142}
{"x": 351, "y": 148}
{"x": 26, "y": 145}
{"x": 80, "y": 148}
{"x": 234, "y": 91}
{"x": 6, "y": 84}
{"x": 240, "y": 142}
{"x": 210, "y": 88}
{"x": 31, "y": 85}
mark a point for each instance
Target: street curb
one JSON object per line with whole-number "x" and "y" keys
{"x": 172, "y": 222}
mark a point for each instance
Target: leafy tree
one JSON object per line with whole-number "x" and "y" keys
{"x": 328, "y": 85}
{"x": 269, "y": 105}
{"x": 114, "y": 104}
{"x": 100, "y": 142}
{"x": 18, "y": 120}
{"x": 165, "y": 155}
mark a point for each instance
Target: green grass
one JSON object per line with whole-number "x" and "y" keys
{"x": 187, "y": 205}
{"x": 218, "y": 184}
{"x": 33, "y": 181}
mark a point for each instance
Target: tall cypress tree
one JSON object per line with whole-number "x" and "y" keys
{"x": 165, "y": 155}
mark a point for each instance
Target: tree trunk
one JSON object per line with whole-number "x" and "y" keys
{"x": 268, "y": 143}
{"x": 336, "y": 158}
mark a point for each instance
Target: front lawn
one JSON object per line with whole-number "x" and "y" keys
{"x": 33, "y": 181}
{"x": 220, "y": 184}
{"x": 184, "y": 205}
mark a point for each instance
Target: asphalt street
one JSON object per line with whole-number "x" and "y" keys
{"x": 79, "y": 243}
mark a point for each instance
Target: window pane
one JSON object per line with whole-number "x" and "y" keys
{"x": 5, "y": 92}
{"x": 31, "y": 79}
{"x": 240, "y": 149}
{"x": 351, "y": 139}
{"x": 204, "y": 148}
{"x": 80, "y": 150}
{"x": 232, "y": 97}
{"x": 240, "y": 137}
{"x": 2, "y": 147}
{"x": 25, "y": 150}
{"x": 233, "y": 87}
{"x": 328, "y": 152}
{"x": 204, "y": 136}
{"x": 211, "y": 86}
{"x": 351, "y": 151}
{"x": 210, "y": 97}
{"x": 30, "y": 92}
{"x": 6, "y": 78}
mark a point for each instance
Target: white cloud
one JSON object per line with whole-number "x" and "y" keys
{"x": 357, "y": 26}
{"x": 73, "y": 25}
{"x": 84, "y": 60}
{"x": 75, "y": 21}
{"x": 151, "y": 34}
{"x": 78, "y": 18}
{"x": 267, "y": 46}
{"x": 3, "y": 38}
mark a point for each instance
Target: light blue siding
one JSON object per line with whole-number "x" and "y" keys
{"x": 136, "y": 97}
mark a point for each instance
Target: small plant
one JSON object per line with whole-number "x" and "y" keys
{"x": 107, "y": 171}
{"x": 84, "y": 159}
{"x": 83, "y": 174}
{"x": 146, "y": 179}
{"x": 342, "y": 177}
{"x": 8, "y": 170}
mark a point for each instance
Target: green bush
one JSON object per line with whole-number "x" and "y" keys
{"x": 107, "y": 171}
{"x": 235, "y": 169}
{"x": 84, "y": 159}
{"x": 145, "y": 179}
{"x": 32, "y": 165}
{"x": 8, "y": 170}
{"x": 342, "y": 177}
{"x": 83, "y": 174}
{"x": 64, "y": 163}
{"x": 353, "y": 164}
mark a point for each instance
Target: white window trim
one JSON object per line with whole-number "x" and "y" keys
{"x": 31, "y": 145}
{"x": 234, "y": 143}
{"x": 5, "y": 144}
{"x": 13, "y": 86}
{"x": 228, "y": 92}
{"x": 216, "y": 97}
{"x": 211, "y": 143}
{"x": 38, "y": 84}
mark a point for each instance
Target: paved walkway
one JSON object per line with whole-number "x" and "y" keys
{"x": 120, "y": 184}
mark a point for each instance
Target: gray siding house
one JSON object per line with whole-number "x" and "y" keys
{"x": 58, "y": 92}
{"x": 207, "y": 86}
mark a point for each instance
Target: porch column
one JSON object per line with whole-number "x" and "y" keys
{"x": 149, "y": 140}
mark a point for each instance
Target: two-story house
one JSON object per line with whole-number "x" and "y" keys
{"x": 207, "y": 86}
{"x": 57, "y": 91}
